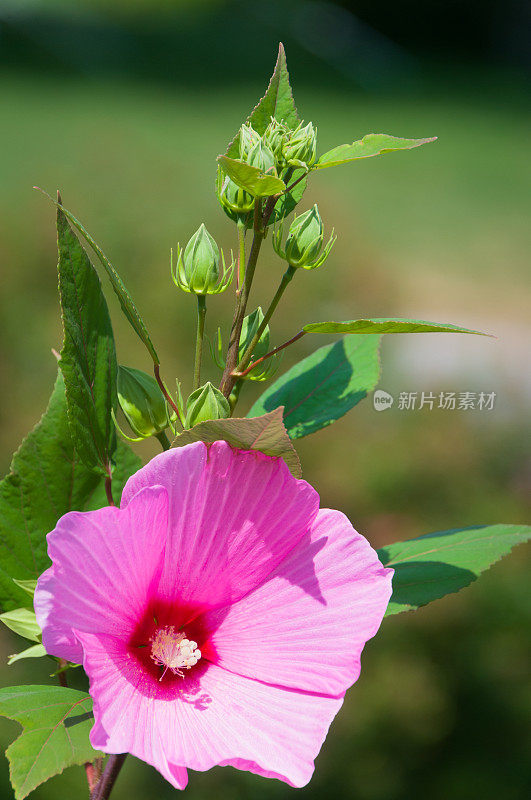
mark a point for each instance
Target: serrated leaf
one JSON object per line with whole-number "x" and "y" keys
{"x": 126, "y": 302}
{"x": 265, "y": 433}
{"x": 56, "y": 722}
{"x": 24, "y": 622}
{"x": 387, "y": 325}
{"x": 431, "y": 566}
{"x": 45, "y": 481}
{"x": 35, "y": 651}
{"x": 277, "y": 102}
{"x": 373, "y": 144}
{"x": 252, "y": 179}
{"x": 28, "y": 586}
{"x": 88, "y": 355}
{"x": 324, "y": 386}
{"x": 125, "y": 464}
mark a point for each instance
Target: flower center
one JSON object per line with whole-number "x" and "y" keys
{"x": 173, "y": 651}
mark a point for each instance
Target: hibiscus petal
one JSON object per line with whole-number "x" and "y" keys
{"x": 306, "y": 626}
{"x": 216, "y": 718}
{"x": 105, "y": 565}
{"x": 234, "y": 515}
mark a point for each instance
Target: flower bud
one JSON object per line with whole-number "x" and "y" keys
{"x": 142, "y": 402}
{"x": 275, "y": 137}
{"x": 250, "y": 326}
{"x": 248, "y": 137}
{"x": 260, "y": 156}
{"x": 301, "y": 148}
{"x": 305, "y": 241}
{"x": 233, "y": 198}
{"x": 198, "y": 267}
{"x": 204, "y": 404}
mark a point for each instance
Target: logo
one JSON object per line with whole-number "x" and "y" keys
{"x": 382, "y": 400}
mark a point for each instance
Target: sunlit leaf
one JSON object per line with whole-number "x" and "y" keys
{"x": 324, "y": 386}
{"x": 252, "y": 179}
{"x": 46, "y": 480}
{"x": 440, "y": 563}
{"x": 126, "y": 302}
{"x": 88, "y": 355}
{"x": 385, "y": 325}
{"x": 35, "y": 651}
{"x": 56, "y": 722}
{"x": 277, "y": 102}
{"x": 22, "y": 621}
{"x": 265, "y": 433}
{"x": 373, "y": 144}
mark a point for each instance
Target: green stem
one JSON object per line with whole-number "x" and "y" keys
{"x": 163, "y": 439}
{"x": 227, "y": 381}
{"x": 201, "y": 314}
{"x": 286, "y": 278}
{"x": 241, "y": 253}
{"x": 235, "y": 395}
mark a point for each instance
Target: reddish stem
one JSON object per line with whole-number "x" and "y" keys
{"x": 156, "y": 370}
{"x": 268, "y": 355}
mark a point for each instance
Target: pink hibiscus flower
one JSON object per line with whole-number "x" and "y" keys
{"x": 219, "y": 613}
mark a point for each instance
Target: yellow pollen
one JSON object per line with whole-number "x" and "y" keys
{"x": 173, "y": 651}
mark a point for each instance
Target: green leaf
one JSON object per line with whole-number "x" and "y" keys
{"x": 88, "y": 356}
{"x": 252, "y": 179}
{"x": 287, "y": 201}
{"x": 373, "y": 144}
{"x": 35, "y": 651}
{"x": 28, "y": 586}
{"x": 324, "y": 386}
{"x": 56, "y": 722}
{"x": 22, "y": 621}
{"x": 126, "y": 302}
{"x": 277, "y": 102}
{"x": 266, "y": 434}
{"x": 384, "y": 325}
{"x": 440, "y": 563}
{"x": 46, "y": 480}
{"x": 125, "y": 464}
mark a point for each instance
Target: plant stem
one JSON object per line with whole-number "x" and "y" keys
{"x": 61, "y": 675}
{"x": 201, "y": 314}
{"x": 241, "y": 253}
{"x": 286, "y": 278}
{"x": 108, "y": 779}
{"x": 108, "y": 490}
{"x": 273, "y": 352}
{"x": 156, "y": 370}
{"x": 163, "y": 439}
{"x": 227, "y": 382}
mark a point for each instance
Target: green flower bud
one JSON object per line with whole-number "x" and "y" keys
{"x": 206, "y": 403}
{"x": 233, "y": 198}
{"x": 248, "y": 137}
{"x": 301, "y": 148}
{"x": 305, "y": 241}
{"x": 142, "y": 402}
{"x": 275, "y": 137}
{"x": 198, "y": 267}
{"x": 250, "y": 326}
{"x": 261, "y": 156}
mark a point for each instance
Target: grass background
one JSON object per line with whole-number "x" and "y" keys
{"x": 442, "y": 233}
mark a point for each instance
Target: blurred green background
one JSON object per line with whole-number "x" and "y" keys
{"x": 124, "y": 106}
